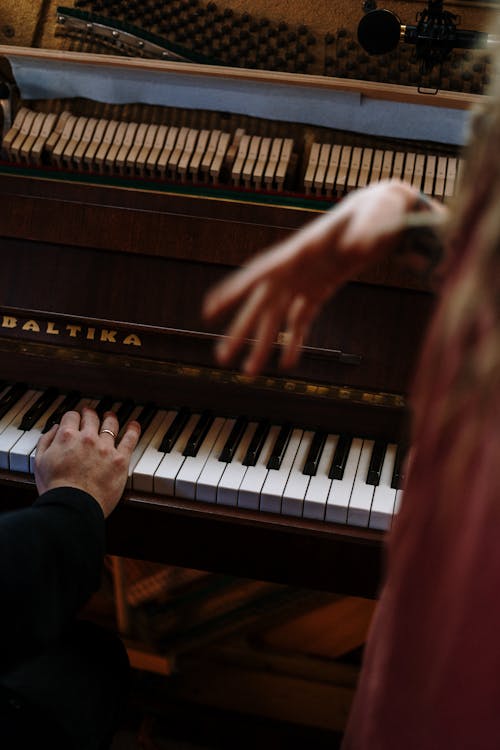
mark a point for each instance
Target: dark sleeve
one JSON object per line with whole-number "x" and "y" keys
{"x": 51, "y": 559}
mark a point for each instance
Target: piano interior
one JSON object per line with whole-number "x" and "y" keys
{"x": 130, "y": 183}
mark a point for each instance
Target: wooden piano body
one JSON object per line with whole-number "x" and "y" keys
{"x": 102, "y": 280}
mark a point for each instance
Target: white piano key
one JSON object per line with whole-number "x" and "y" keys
{"x": 442, "y": 164}
{"x": 274, "y": 486}
{"x": 86, "y": 138}
{"x": 251, "y": 159}
{"x": 398, "y": 165}
{"x": 353, "y": 176}
{"x": 429, "y": 175}
{"x": 147, "y": 146}
{"x": 22, "y": 134}
{"x": 206, "y": 486}
{"x": 409, "y": 167}
{"x": 13, "y": 132}
{"x": 114, "y": 149}
{"x": 312, "y": 166}
{"x": 38, "y": 146}
{"x": 219, "y": 156}
{"x": 377, "y": 161}
{"x": 237, "y": 169}
{"x": 384, "y": 496}
{"x": 255, "y": 476}
{"x": 57, "y": 131}
{"x": 14, "y": 410}
{"x": 125, "y": 148}
{"x": 418, "y": 172}
{"x": 11, "y": 434}
{"x": 143, "y": 472}
{"x": 333, "y": 166}
{"x": 199, "y": 152}
{"x": 135, "y": 149}
{"x": 174, "y": 158}
{"x": 165, "y": 474}
{"x": 262, "y": 157}
{"x": 366, "y": 167}
{"x": 451, "y": 174}
{"x": 19, "y": 455}
{"x": 340, "y": 491}
{"x": 319, "y": 486}
{"x": 323, "y": 162}
{"x": 283, "y": 163}
{"x": 229, "y": 484}
{"x": 272, "y": 164}
{"x": 345, "y": 160}
{"x": 210, "y": 151}
{"x": 292, "y": 503}
{"x": 186, "y": 479}
{"x": 360, "y": 502}
{"x": 386, "y": 171}
{"x": 187, "y": 153}
{"x": 144, "y": 440}
{"x": 36, "y": 128}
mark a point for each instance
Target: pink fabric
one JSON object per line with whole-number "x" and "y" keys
{"x": 431, "y": 675}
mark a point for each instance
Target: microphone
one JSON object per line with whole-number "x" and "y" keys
{"x": 380, "y": 31}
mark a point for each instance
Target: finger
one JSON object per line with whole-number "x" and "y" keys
{"x": 240, "y": 284}
{"x": 110, "y": 426}
{"x": 70, "y": 419}
{"x": 242, "y": 325}
{"x": 265, "y": 337}
{"x": 300, "y": 317}
{"x": 129, "y": 439}
{"x": 90, "y": 421}
{"x": 46, "y": 440}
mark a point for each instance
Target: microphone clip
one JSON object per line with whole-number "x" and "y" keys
{"x": 434, "y": 35}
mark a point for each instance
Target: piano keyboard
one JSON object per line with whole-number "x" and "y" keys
{"x": 279, "y": 469}
{"x": 213, "y": 156}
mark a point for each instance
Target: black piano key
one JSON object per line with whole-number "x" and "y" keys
{"x": 314, "y": 455}
{"x": 38, "y": 408}
{"x": 256, "y": 443}
{"x": 199, "y": 434}
{"x": 172, "y": 434}
{"x": 239, "y": 427}
{"x": 146, "y": 415}
{"x": 398, "y": 472}
{"x": 124, "y": 411}
{"x": 280, "y": 447}
{"x": 376, "y": 461}
{"x": 104, "y": 405}
{"x": 3, "y": 384}
{"x": 11, "y": 397}
{"x": 340, "y": 457}
{"x": 67, "y": 404}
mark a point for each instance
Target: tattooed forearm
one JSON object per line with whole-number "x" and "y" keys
{"x": 421, "y": 246}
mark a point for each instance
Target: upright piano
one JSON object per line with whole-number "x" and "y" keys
{"x": 108, "y": 247}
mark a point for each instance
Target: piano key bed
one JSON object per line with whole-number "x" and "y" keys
{"x": 205, "y": 155}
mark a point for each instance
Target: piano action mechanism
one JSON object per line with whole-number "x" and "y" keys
{"x": 111, "y": 234}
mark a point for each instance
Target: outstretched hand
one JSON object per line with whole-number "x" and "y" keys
{"x": 284, "y": 288}
{"x": 81, "y": 452}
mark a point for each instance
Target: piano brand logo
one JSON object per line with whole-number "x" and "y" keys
{"x": 73, "y": 330}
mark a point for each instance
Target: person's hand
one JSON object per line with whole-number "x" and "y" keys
{"x": 80, "y": 453}
{"x": 284, "y": 288}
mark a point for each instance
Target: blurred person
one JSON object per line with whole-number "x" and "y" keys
{"x": 429, "y": 678}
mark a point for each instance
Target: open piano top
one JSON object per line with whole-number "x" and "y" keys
{"x": 103, "y": 273}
